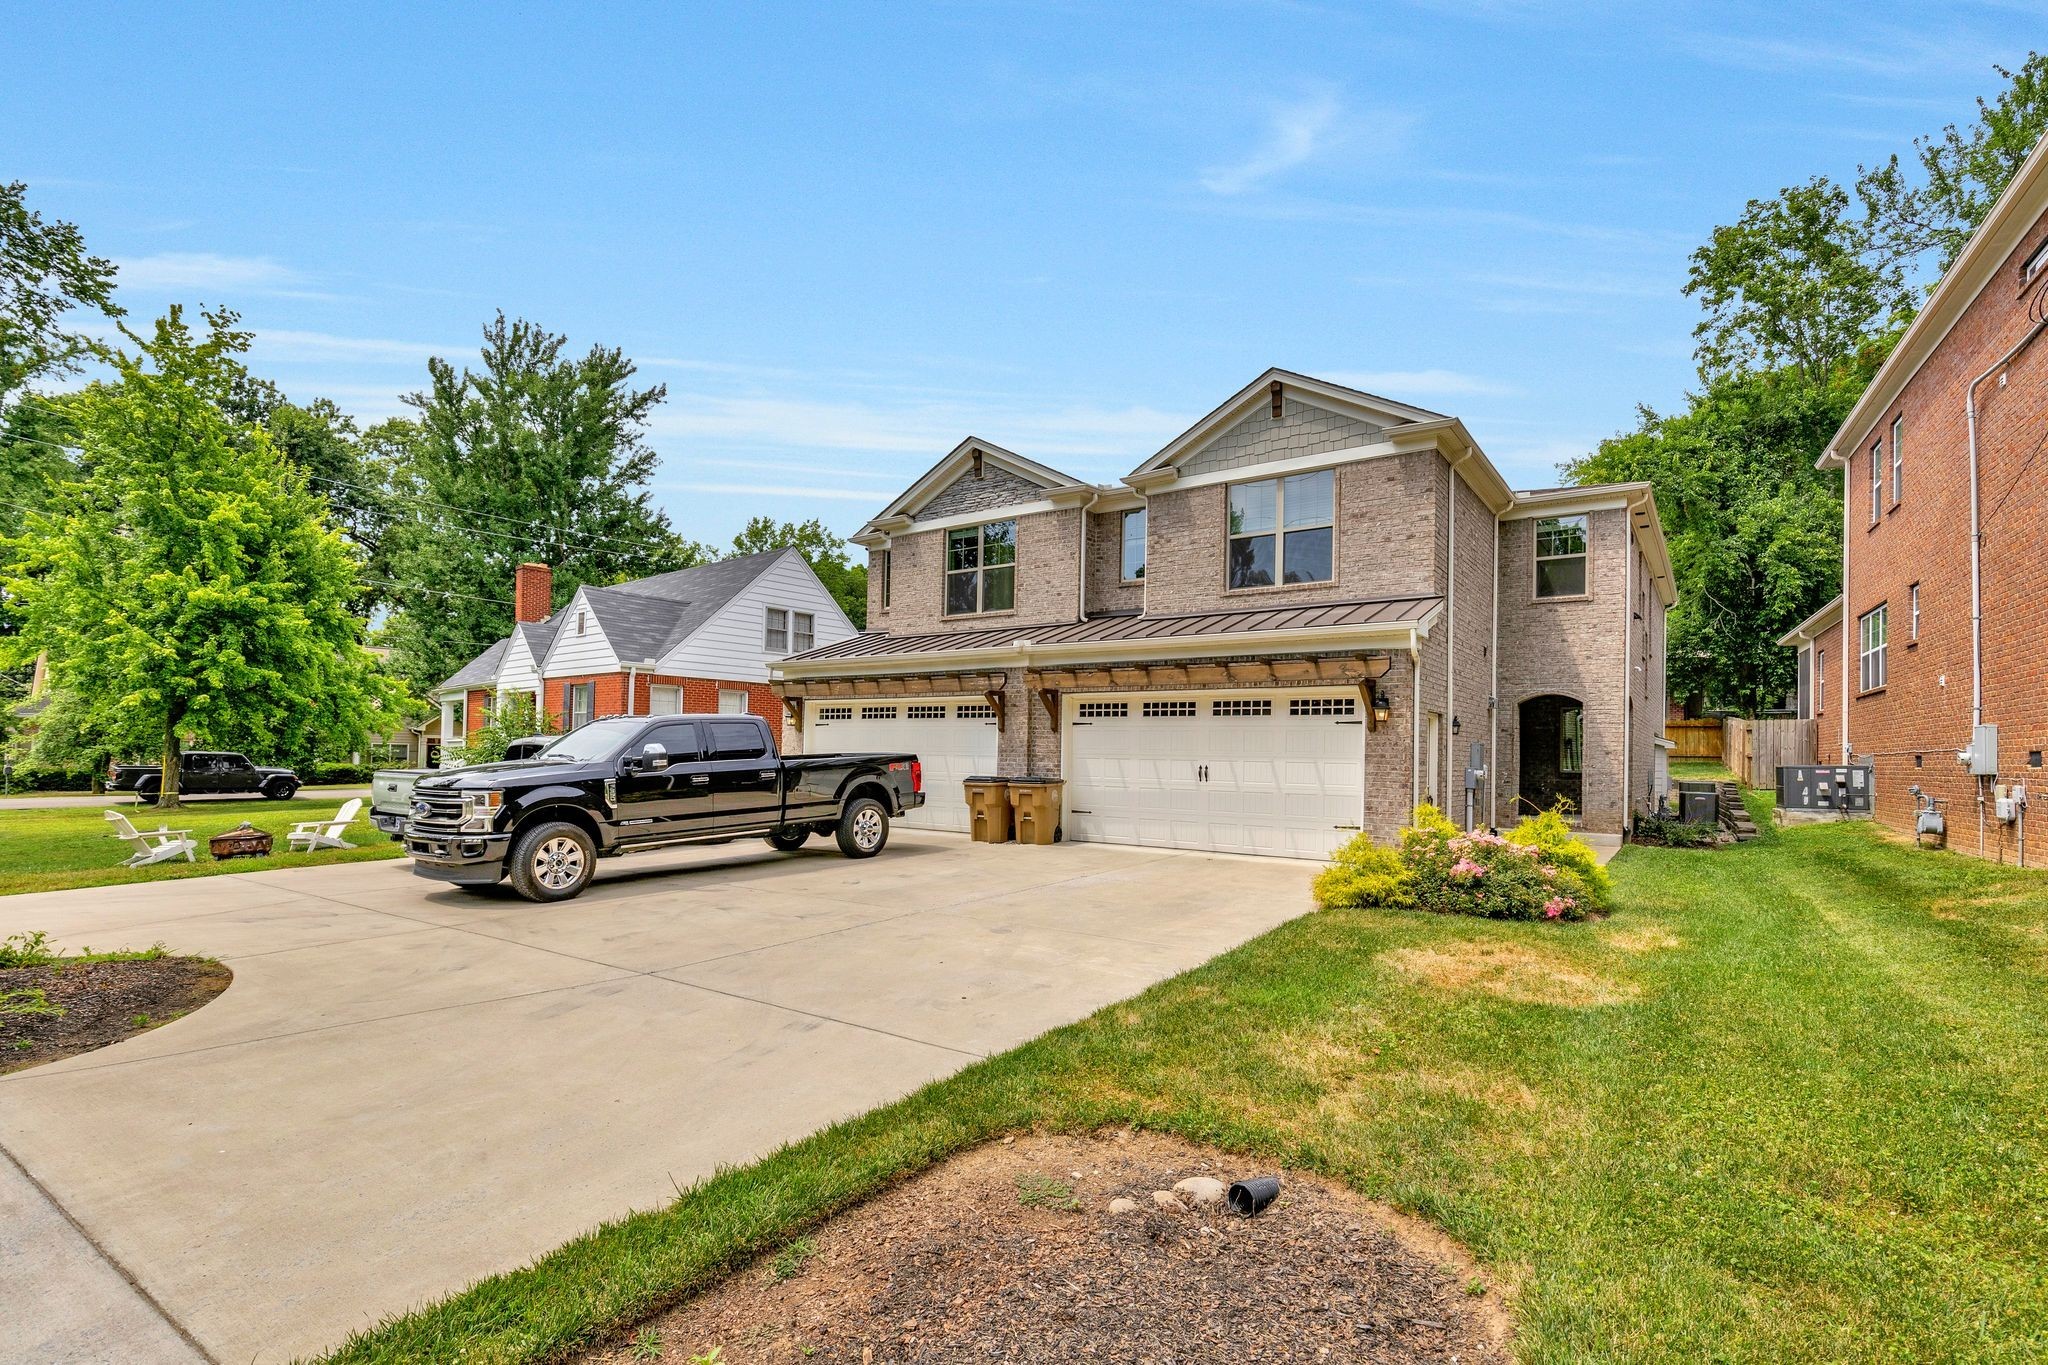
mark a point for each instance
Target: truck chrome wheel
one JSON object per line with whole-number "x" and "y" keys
{"x": 867, "y": 828}
{"x": 558, "y": 863}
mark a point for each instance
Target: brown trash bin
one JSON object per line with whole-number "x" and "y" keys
{"x": 988, "y": 809}
{"x": 1035, "y": 802}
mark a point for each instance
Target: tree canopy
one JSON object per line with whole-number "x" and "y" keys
{"x": 186, "y": 581}
{"x": 45, "y": 273}
{"x": 533, "y": 456}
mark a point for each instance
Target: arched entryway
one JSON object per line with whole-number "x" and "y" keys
{"x": 1553, "y": 754}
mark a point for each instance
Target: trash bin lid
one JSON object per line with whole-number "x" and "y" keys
{"x": 1031, "y": 781}
{"x": 997, "y": 780}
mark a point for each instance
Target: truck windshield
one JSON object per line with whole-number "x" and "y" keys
{"x": 598, "y": 740}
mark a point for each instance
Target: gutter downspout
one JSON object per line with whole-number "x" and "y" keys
{"x": 1977, "y": 531}
{"x": 1450, "y": 632}
{"x": 1628, "y": 701}
{"x": 1414, "y": 722}
{"x": 1493, "y": 697}
{"x": 1843, "y": 647}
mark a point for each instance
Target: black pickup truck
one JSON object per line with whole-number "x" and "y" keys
{"x": 204, "y": 773}
{"x": 635, "y": 782}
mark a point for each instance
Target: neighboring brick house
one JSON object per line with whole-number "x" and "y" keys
{"x": 1945, "y": 577}
{"x": 696, "y": 640}
{"x": 1298, "y": 619}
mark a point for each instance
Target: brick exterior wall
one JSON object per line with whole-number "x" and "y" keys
{"x": 700, "y": 696}
{"x": 1301, "y": 429}
{"x": 475, "y": 710}
{"x": 1566, "y": 647}
{"x": 1827, "y": 715}
{"x": 1387, "y": 521}
{"x": 1472, "y": 646}
{"x": 1048, "y": 579}
{"x": 1923, "y": 711}
{"x": 1106, "y": 589}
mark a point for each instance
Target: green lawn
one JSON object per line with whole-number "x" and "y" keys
{"x": 1790, "y": 1104}
{"x": 68, "y": 846}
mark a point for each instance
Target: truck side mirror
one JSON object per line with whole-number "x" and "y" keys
{"x": 653, "y": 756}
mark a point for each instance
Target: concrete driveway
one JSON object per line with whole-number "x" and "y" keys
{"x": 409, "y": 1087}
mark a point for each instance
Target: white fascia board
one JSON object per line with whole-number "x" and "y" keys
{"x": 1012, "y": 511}
{"x": 1447, "y": 438}
{"x": 961, "y": 457}
{"x": 566, "y": 632}
{"x": 1025, "y": 654}
{"x": 1807, "y": 631}
{"x": 1349, "y": 402}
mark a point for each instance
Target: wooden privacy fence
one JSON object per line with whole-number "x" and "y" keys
{"x": 1754, "y": 750}
{"x": 1695, "y": 738}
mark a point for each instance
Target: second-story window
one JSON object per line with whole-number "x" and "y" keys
{"x": 1913, "y": 596}
{"x": 1820, "y": 681}
{"x": 1898, "y": 460}
{"x": 882, "y": 571}
{"x": 776, "y": 638}
{"x": 981, "y": 568}
{"x": 1871, "y": 661}
{"x": 1561, "y": 557}
{"x": 1134, "y": 545}
{"x": 1283, "y": 530}
{"x": 803, "y": 632}
{"x": 1876, "y": 480}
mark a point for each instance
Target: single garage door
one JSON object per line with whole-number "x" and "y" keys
{"x": 1271, "y": 772}
{"x": 954, "y": 737}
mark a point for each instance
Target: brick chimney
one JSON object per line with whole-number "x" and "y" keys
{"x": 533, "y": 589}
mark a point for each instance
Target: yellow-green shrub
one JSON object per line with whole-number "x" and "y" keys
{"x": 1361, "y": 873}
{"x": 1570, "y": 855}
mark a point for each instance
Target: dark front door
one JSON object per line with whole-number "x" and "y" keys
{"x": 662, "y": 784}
{"x": 1553, "y": 756}
{"x": 746, "y": 778}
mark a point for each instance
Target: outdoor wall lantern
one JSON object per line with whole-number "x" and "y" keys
{"x": 1382, "y": 707}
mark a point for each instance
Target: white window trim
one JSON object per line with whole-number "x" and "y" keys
{"x": 775, "y": 622}
{"x": 1536, "y": 549}
{"x": 803, "y": 632}
{"x": 883, "y": 595}
{"x": 1871, "y": 659}
{"x": 980, "y": 570}
{"x": 1123, "y": 545}
{"x": 1820, "y": 680}
{"x": 1876, "y": 480}
{"x": 1914, "y": 594}
{"x": 1281, "y": 530}
{"x": 1898, "y": 460}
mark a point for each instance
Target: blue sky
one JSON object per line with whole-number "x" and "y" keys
{"x": 848, "y": 236}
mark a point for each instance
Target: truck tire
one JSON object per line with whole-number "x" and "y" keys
{"x": 789, "y": 838}
{"x": 553, "y": 861}
{"x": 863, "y": 828}
{"x": 279, "y": 789}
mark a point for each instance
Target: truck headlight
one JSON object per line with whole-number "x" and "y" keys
{"x": 480, "y": 809}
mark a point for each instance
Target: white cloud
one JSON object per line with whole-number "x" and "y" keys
{"x": 913, "y": 425}
{"x": 170, "y": 271}
{"x": 272, "y": 344}
{"x": 1297, "y": 133}
{"x": 1397, "y": 384}
{"x": 779, "y": 490}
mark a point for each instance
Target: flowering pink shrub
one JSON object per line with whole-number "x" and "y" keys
{"x": 1539, "y": 871}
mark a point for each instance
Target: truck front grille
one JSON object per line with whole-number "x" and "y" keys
{"x": 436, "y": 809}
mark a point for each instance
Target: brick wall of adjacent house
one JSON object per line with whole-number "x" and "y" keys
{"x": 1472, "y": 645}
{"x": 1647, "y": 702}
{"x": 1048, "y": 579}
{"x": 475, "y": 710}
{"x": 1566, "y": 647}
{"x": 1827, "y": 710}
{"x": 1923, "y": 711}
{"x": 1106, "y": 589}
{"x": 1387, "y": 521}
{"x": 700, "y": 696}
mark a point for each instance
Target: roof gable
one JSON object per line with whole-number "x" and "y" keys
{"x": 482, "y": 671}
{"x": 953, "y": 481}
{"x": 1236, "y": 423}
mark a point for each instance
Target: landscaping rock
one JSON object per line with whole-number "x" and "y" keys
{"x": 1202, "y": 1189}
{"x": 1167, "y": 1199}
{"x": 1121, "y": 1205}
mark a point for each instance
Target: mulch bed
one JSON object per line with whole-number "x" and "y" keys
{"x": 953, "y": 1267}
{"x": 103, "y": 1002}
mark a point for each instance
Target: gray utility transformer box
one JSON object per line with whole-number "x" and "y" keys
{"x": 1810, "y": 788}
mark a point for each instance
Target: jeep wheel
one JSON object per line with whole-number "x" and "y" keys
{"x": 279, "y": 789}
{"x": 789, "y": 838}
{"x": 863, "y": 828}
{"x": 552, "y": 861}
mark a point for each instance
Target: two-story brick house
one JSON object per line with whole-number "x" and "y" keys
{"x": 1945, "y": 536}
{"x": 1300, "y": 618}
{"x": 694, "y": 640}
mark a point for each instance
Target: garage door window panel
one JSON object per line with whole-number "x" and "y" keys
{"x": 981, "y": 568}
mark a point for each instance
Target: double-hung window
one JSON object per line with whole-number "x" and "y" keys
{"x": 775, "y": 638}
{"x": 1876, "y": 480}
{"x": 1898, "y": 459}
{"x": 1283, "y": 530}
{"x": 1871, "y": 660}
{"x": 881, "y": 563}
{"x": 1913, "y": 596}
{"x": 580, "y": 701}
{"x": 1561, "y": 557}
{"x": 1133, "y": 526}
{"x": 1820, "y": 681}
{"x": 803, "y": 631}
{"x": 981, "y": 568}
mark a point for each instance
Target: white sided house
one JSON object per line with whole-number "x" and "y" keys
{"x": 695, "y": 640}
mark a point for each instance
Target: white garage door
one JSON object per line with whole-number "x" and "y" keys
{"x": 954, "y": 737}
{"x": 1272, "y": 772}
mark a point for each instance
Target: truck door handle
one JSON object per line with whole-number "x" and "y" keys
{"x": 700, "y": 777}
{"x": 766, "y": 777}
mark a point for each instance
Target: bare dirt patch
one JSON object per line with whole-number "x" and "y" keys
{"x": 1009, "y": 1253}
{"x": 1511, "y": 972}
{"x": 100, "y": 1003}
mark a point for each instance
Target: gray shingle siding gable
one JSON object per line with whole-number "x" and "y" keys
{"x": 1302, "y": 429}
{"x": 996, "y": 487}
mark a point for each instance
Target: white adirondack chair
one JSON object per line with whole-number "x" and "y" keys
{"x": 308, "y": 835}
{"x": 170, "y": 843}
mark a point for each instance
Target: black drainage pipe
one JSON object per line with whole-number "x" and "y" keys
{"x": 1247, "y": 1197}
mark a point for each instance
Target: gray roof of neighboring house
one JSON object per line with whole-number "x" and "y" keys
{"x": 643, "y": 619}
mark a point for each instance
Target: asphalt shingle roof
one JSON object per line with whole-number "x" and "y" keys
{"x": 482, "y": 670}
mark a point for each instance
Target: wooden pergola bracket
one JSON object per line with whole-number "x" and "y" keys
{"x": 1049, "y": 697}
{"x": 995, "y": 701}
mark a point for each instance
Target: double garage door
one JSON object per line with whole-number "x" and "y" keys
{"x": 1269, "y": 772}
{"x": 954, "y": 737}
